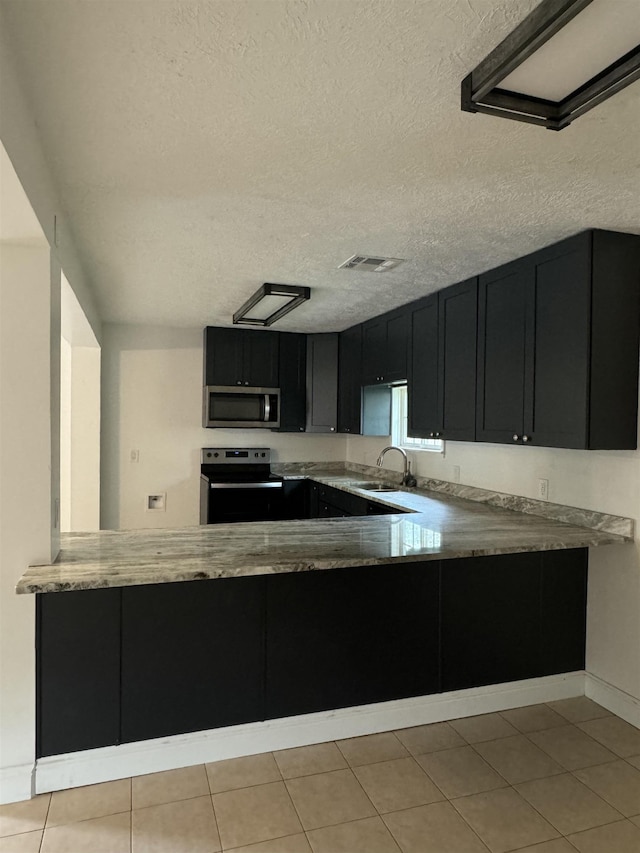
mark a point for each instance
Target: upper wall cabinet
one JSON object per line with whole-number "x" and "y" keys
{"x": 558, "y": 345}
{"x": 241, "y": 357}
{"x": 349, "y": 388}
{"x": 293, "y": 382}
{"x": 442, "y": 375}
{"x": 385, "y": 347}
{"x": 322, "y": 382}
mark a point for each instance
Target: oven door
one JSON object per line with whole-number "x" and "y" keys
{"x": 233, "y": 502}
{"x": 241, "y": 407}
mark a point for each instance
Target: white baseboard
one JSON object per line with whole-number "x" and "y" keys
{"x": 613, "y": 699}
{"x": 135, "y": 759}
{"x": 16, "y": 783}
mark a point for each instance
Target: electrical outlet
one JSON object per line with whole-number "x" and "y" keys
{"x": 543, "y": 490}
{"x": 456, "y": 473}
{"x": 134, "y": 456}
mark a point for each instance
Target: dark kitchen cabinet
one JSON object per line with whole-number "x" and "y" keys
{"x": 350, "y": 637}
{"x": 322, "y": 382}
{"x": 424, "y": 417}
{"x": 457, "y": 337}
{"x": 558, "y": 345}
{"x": 122, "y": 665}
{"x": 512, "y": 616}
{"x": 563, "y": 610}
{"x": 385, "y": 348}
{"x": 490, "y": 619}
{"x": 78, "y": 670}
{"x": 293, "y": 382}
{"x": 296, "y": 499}
{"x": 504, "y": 363}
{"x": 192, "y": 656}
{"x": 442, "y": 376}
{"x": 349, "y": 380}
{"x": 241, "y": 357}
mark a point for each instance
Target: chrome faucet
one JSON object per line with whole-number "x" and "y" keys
{"x": 407, "y": 477}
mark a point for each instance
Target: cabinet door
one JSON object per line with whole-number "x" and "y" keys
{"x": 422, "y": 393}
{"x": 397, "y": 349}
{"x": 192, "y": 656}
{"x": 322, "y": 382}
{"x": 223, "y": 356}
{"x": 295, "y": 499}
{"x": 502, "y": 348}
{"x": 349, "y": 380}
{"x": 457, "y": 344}
{"x": 261, "y": 358}
{"x": 374, "y": 345}
{"x": 490, "y": 620}
{"x": 78, "y": 670}
{"x": 362, "y": 635}
{"x": 293, "y": 382}
{"x": 563, "y": 610}
{"x": 557, "y": 398}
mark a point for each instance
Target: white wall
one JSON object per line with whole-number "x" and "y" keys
{"x": 65, "y": 435}
{"x": 79, "y": 438}
{"x": 606, "y": 481}
{"x": 152, "y": 402}
{"x": 25, "y": 495}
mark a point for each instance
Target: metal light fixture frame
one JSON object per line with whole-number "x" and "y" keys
{"x": 297, "y": 293}
{"x": 480, "y": 92}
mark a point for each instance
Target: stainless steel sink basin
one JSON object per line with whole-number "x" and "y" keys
{"x": 372, "y": 486}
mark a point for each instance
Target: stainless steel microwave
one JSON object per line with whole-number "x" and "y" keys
{"x": 244, "y": 408}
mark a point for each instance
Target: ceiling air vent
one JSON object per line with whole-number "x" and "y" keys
{"x": 370, "y": 264}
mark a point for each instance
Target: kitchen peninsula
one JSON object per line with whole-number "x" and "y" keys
{"x": 295, "y": 617}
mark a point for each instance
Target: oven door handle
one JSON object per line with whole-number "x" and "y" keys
{"x": 267, "y": 408}
{"x": 270, "y": 485}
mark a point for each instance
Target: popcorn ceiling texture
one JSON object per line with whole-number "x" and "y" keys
{"x": 201, "y": 148}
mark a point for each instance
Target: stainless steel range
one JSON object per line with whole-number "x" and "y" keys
{"x": 236, "y": 484}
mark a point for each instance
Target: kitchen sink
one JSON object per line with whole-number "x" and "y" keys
{"x": 375, "y": 487}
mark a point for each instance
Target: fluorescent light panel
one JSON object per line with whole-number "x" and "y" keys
{"x": 269, "y": 303}
{"x": 562, "y": 60}
{"x": 599, "y": 35}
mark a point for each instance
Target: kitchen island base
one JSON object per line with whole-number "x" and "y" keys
{"x": 122, "y": 665}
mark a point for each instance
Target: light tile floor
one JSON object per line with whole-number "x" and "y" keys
{"x": 552, "y": 778}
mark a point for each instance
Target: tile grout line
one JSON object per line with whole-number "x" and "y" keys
{"x": 46, "y": 818}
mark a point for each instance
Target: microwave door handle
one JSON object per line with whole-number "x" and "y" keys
{"x": 267, "y": 408}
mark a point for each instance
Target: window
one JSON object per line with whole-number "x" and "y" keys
{"x": 399, "y": 435}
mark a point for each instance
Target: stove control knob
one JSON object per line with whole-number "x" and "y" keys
{"x": 263, "y": 455}
{"x": 216, "y": 455}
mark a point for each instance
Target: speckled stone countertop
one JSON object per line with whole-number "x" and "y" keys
{"x": 436, "y": 525}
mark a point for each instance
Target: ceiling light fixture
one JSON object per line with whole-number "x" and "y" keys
{"x": 269, "y": 303}
{"x": 565, "y": 58}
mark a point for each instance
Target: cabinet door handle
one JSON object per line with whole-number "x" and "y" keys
{"x": 516, "y": 437}
{"x": 431, "y": 435}
{"x": 333, "y": 429}
{"x": 246, "y": 383}
{"x": 437, "y": 435}
{"x": 525, "y": 438}
{"x": 239, "y": 382}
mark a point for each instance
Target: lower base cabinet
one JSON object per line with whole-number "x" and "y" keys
{"x": 122, "y": 665}
{"x": 512, "y": 616}
{"x": 77, "y": 670}
{"x": 192, "y": 656}
{"x": 351, "y": 636}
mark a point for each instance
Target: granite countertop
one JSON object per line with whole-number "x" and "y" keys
{"x": 437, "y": 525}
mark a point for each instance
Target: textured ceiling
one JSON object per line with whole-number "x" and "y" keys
{"x": 201, "y": 148}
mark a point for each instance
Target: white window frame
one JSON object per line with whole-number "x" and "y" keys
{"x": 399, "y": 422}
